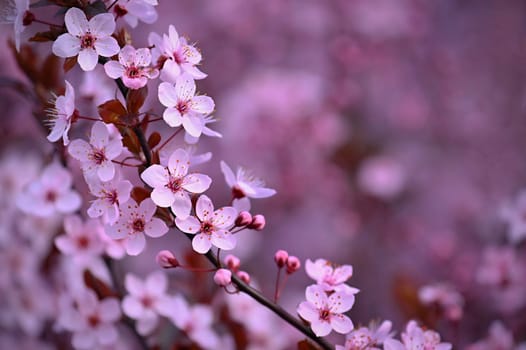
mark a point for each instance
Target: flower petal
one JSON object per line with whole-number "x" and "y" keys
{"x": 203, "y": 104}
{"x": 88, "y": 59}
{"x": 341, "y": 323}
{"x": 193, "y": 124}
{"x": 76, "y": 22}
{"x": 79, "y": 149}
{"x": 178, "y": 163}
{"x": 182, "y": 204}
{"x": 135, "y": 244}
{"x": 185, "y": 87}
{"x": 163, "y": 196}
{"x": 201, "y": 243}
{"x": 167, "y": 95}
{"x": 66, "y": 45}
{"x": 107, "y": 46}
{"x": 172, "y": 117}
{"x": 308, "y": 311}
{"x": 204, "y": 208}
{"x": 114, "y": 69}
{"x": 155, "y": 176}
{"x": 189, "y": 225}
{"x": 224, "y": 217}
{"x": 155, "y": 228}
{"x": 102, "y": 25}
{"x": 196, "y": 183}
{"x": 224, "y": 240}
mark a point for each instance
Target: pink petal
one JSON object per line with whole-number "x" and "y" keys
{"x": 135, "y": 244}
{"x": 142, "y": 10}
{"x": 69, "y": 99}
{"x": 147, "y": 208}
{"x": 170, "y": 71}
{"x": 205, "y": 337}
{"x": 167, "y": 95}
{"x": 172, "y": 117}
{"x": 113, "y": 148}
{"x": 134, "y": 83}
{"x": 65, "y": 245}
{"x": 192, "y": 55}
{"x": 66, "y": 45}
{"x": 196, "y": 183}
{"x": 117, "y": 230}
{"x": 189, "y": 225}
{"x": 143, "y": 57}
{"x": 123, "y": 190}
{"x": 224, "y": 240}
{"x": 107, "y": 334}
{"x": 107, "y": 46}
{"x": 204, "y": 208}
{"x": 69, "y": 202}
{"x": 316, "y": 295}
{"x": 79, "y": 149}
{"x": 155, "y": 228}
{"x": 224, "y": 217}
{"x": 185, "y": 87}
{"x": 193, "y": 124}
{"x": 262, "y": 192}
{"x": 102, "y": 25}
{"x": 203, "y": 104}
{"x": 343, "y": 273}
{"x": 178, "y": 163}
{"x": 84, "y": 340}
{"x": 134, "y": 285}
{"x": 157, "y": 283}
{"x": 163, "y": 196}
{"x": 99, "y": 136}
{"x": 88, "y": 59}
{"x": 308, "y": 311}
{"x": 106, "y": 171}
{"x": 228, "y": 173}
{"x": 58, "y": 130}
{"x": 189, "y": 68}
{"x": 146, "y": 325}
{"x": 109, "y": 310}
{"x": 320, "y": 328}
{"x": 340, "y": 302}
{"x": 155, "y": 176}
{"x": 132, "y": 307}
{"x": 182, "y": 204}
{"x": 341, "y": 323}
{"x": 201, "y": 243}
{"x": 114, "y": 69}
{"x": 76, "y": 22}
{"x": 98, "y": 208}
{"x": 393, "y": 344}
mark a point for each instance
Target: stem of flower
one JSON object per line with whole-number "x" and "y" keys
{"x": 112, "y": 4}
{"x": 126, "y": 164}
{"x": 46, "y": 23}
{"x": 276, "y": 289}
{"x": 169, "y": 139}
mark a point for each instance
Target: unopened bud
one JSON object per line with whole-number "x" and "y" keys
{"x": 243, "y": 276}
{"x": 28, "y": 18}
{"x": 166, "y": 259}
{"x": 223, "y": 277}
{"x": 232, "y": 262}
{"x": 281, "y": 258}
{"x": 243, "y": 219}
{"x": 258, "y": 223}
{"x": 293, "y": 264}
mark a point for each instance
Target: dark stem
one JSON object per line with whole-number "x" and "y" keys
{"x": 276, "y": 289}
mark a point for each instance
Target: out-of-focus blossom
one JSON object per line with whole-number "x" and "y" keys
{"x": 133, "y": 67}
{"x": 210, "y": 227}
{"x": 499, "y": 337}
{"x": 13, "y": 11}
{"x": 330, "y": 277}
{"x": 446, "y": 297}
{"x": 171, "y": 184}
{"x": 382, "y": 176}
{"x": 96, "y": 87}
{"x": 82, "y": 240}
{"x": 97, "y": 155}
{"x": 134, "y": 222}
{"x": 87, "y": 39}
{"x": 367, "y": 338}
{"x": 134, "y": 11}
{"x": 110, "y": 195}
{"x": 515, "y": 216}
{"x": 61, "y": 115}
{"x": 325, "y": 313}
{"x": 415, "y": 337}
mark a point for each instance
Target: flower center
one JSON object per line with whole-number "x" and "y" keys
{"x": 179, "y": 57}
{"x": 93, "y": 320}
{"x": 51, "y": 196}
{"x": 98, "y": 156}
{"x": 174, "y": 184}
{"x": 120, "y": 11}
{"x": 111, "y": 196}
{"x": 87, "y": 41}
{"x": 237, "y": 192}
{"x": 182, "y": 107}
{"x": 147, "y": 302}
{"x": 325, "y": 315}
{"x": 207, "y": 227}
{"x": 82, "y": 242}
{"x": 138, "y": 225}
{"x": 133, "y": 72}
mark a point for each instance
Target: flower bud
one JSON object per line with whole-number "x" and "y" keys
{"x": 243, "y": 219}
{"x": 281, "y": 258}
{"x": 232, "y": 262}
{"x": 243, "y": 276}
{"x": 293, "y": 264}
{"x": 258, "y": 223}
{"x": 223, "y": 277}
{"x": 166, "y": 259}
{"x": 28, "y": 18}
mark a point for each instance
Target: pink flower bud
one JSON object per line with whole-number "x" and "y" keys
{"x": 293, "y": 264}
{"x": 281, "y": 258}
{"x": 258, "y": 223}
{"x": 243, "y": 219}
{"x": 166, "y": 259}
{"x": 223, "y": 277}
{"x": 232, "y": 262}
{"x": 243, "y": 276}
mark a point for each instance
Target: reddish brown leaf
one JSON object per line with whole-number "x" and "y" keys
{"x": 140, "y": 194}
{"x": 100, "y": 288}
{"x": 123, "y": 37}
{"x": 69, "y": 63}
{"x": 135, "y": 99}
{"x": 306, "y": 345}
{"x": 50, "y": 35}
{"x": 154, "y": 139}
{"x": 130, "y": 140}
{"x": 112, "y": 111}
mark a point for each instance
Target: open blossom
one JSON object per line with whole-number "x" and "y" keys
{"x": 109, "y": 195}
{"x": 210, "y": 227}
{"x": 330, "y": 277}
{"x": 175, "y": 56}
{"x": 87, "y": 39}
{"x": 133, "y": 67}
{"x": 244, "y": 185}
{"x": 325, "y": 313}
{"x": 51, "y": 193}
{"x": 184, "y": 107}
{"x": 61, "y": 114}
{"x": 13, "y": 11}
{"x": 444, "y": 295}
{"x": 367, "y": 338}
{"x": 82, "y": 239}
{"x": 415, "y": 337}
{"x": 172, "y": 184}
{"x": 97, "y": 155}
{"x": 145, "y": 300}
{"x": 134, "y": 222}
{"x": 134, "y": 10}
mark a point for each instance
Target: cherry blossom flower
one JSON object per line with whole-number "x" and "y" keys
{"x": 171, "y": 184}
{"x": 61, "y": 115}
{"x": 444, "y": 295}
{"x": 97, "y": 155}
{"x": 175, "y": 56}
{"x": 415, "y": 337}
{"x": 206, "y": 131}
{"x": 133, "y": 67}
{"x": 330, "y": 277}
{"x": 184, "y": 107}
{"x": 244, "y": 185}
{"x": 210, "y": 227}
{"x": 325, "y": 313}
{"x": 195, "y": 321}
{"x": 109, "y": 195}
{"x": 365, "y": 338}
{"x": 134, "y": 10}
{"x": 13, "y": 11}
{"x": 499, "y": 337}
{"x": 145, "y": 299}
{"x": 134, "y": 222}
{"x": 87, "y": 39}
{"x": 49, "y": 194}
{"x": 82, "y": 240}
{"x": 91, "y": 321}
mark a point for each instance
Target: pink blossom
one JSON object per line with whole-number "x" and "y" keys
{"x": 211, "y": 227}
{"x": 206, "y": 131}
{"x": 514, "y": 214}
{"x": 365, "y": 338}
{"x": 145, "y": 300}
{"x": 330, "y": 277}
{"x": 82, "y": 239}
{"x": 325, "y": 313}
{"x": 175, "y": 56}
{"x": 109, "y": 196}
{"x": 49, "y": 194}
{"x": 14, "y": 12}
{"x": 445, "y": 296}
{"x": 223, "y": 277}
{"x": 97, "y": 155}
{"x": 134, "y": 10}
{"x": 172, "y": 184}
{"x": 133, "y": 67}
{"x": 134, "y": 222}
{"x": 184, "y": 107}
{"x": 415, "y": 337}
{"x": 87, "y": 39}
{"x": 61, "y": 114}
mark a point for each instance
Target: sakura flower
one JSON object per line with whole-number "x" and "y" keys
{"x": 145, "y": 300}
{"x": 97, "y": 155}
{"x": 14, "y": 11}
{"x": 330, "y": 277}
{"x": 184, "y": 107}
{"x": 172, "y": 184}
{"x": 325, "y": 313}
{"x": 87, "y": 39}
{"x": 91, "y": 321}
{"x": 195, "y": 321}
{"x": 132, "y": 67}
{"x": 50, "y": 193}
{"x": 365, "y": 338}
{"x": 206, "y": 131}
{"x": 134, "y": 222}
{"x": 82, "y": 240}
{"x": 499, "y": 337}
{"x": 61, "y": 115}
{"x": 109, "y": 196}
{"x": 415, "y": 337}
{"x": 175, "y": 56}
{"x": 211, "y": 227}
{"x": 134, "y": 10}
{"x": 445, "y": 296}
{"x": 244, "y": 185}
